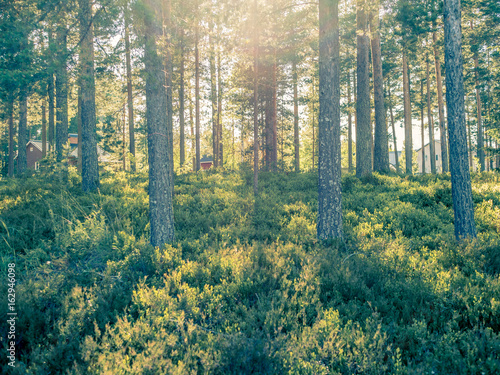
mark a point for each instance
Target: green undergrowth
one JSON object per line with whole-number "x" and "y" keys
{"x": 246, "y": 287}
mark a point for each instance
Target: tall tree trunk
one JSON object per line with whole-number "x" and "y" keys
{"x": 349, "y": 123}
{"x": 61, "y": 89}
{"x": 363, "y": 130}
{"x": 407, "y": 115}
{"x": 460, "y": 177}
{"x": 480, "y": 132}
{"x": 167, "y": 20}
{"x": 469, "y": 138}
{"x": 268, "y": 132}
{"x": 329, "y": 166}
{"x": 497, "y": 157}
{"x": 430, "y": 122}
{"x": 233, "y": 149}
{"x": 255, "y": 103}
{"x": 422, "y": 124}
{"x": 242, "y": 136}
{"x": 22, "y": 163}
{"x": 313, "y": 127}
{"x": 296, "y": 140}
{"x": 213, "y": 96}
{"x": 396, "y": 156}
{"x": 124, "y": 143}
{"x": 355, "y": 94}
{"x": 160, "y": 182}
{"x": 282, "y": 137}
{"x": 220, "y": 148}
{"x": 50, "y": 90}
{"x": 90, "y": 166}
{"x": 197, "y": 89}
{"x": 274, "y": 111}
{"x": 79, "y": 124}
{"x": 182, "y": 146}
{"x": 191, "y": 122}
{"x": 130, "y": 100}
{"x": 381, "y": 143}
{"x": 44, "y": 126}
{"x": 11, "y": 136}
{"x": 442, "y": 123}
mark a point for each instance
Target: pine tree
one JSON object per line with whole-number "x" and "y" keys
{"x": 363, "y": 128}
{"x": 296, "y": 140}
{"x": 130, "y": 100}
{"x": 10, "y": 114}
{"x": 90, "y": 166}
{"x": 61, "y": 86}
{"x": 442, "y": 123}
{"x": 197, "y": 88}
{"x": 255, "y": 102}
{"x": 329, "y": 188}
{"x": 22, "y": 163}
{"x": 160, "y": 184}
{"x": 460, "y": 176}
{"x": 381, "y": 141}
{"x": 430, "y": 122}
{"x": 182, "y": 121}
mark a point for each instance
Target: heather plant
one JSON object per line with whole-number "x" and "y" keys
{"x": 246, "y": 287}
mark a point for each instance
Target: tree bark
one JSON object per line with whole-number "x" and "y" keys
{"x": 329, "y": 224}
{"x": 220, "y": 148}
{"x": 130, "y": 100}
{"x": 442, "y": 123}
{"x": 381, "y": 142}
{"x": 313, "y": 127}
{"x": 90, "y": 166}
{"x": 213, "y": 97}
{"x": 79, "y": 124}
{"x": 193, "y": 136}
{"x": 469, "y": 138}
{"x": 255, "y": 103}
{"x": 274, "y": 109}
{"x": 393, "y": 128}
{"x": 460, "y": 176}
{"x": 197, "y": 90}
{"x": 22, "y": 163}
{"x": 422, "y": 124}
{"x": 124, "y": 142}
{"x": 480, "y": 132}
{"x": 430, "y": 122}
{"x": 44, "y": 126}
{"x": 11, "y": 136}
{"x": 160, "y": 182}
{"x": 349, "y": 124}
{"x": 407, "y": 116}
{"x": 268, "y": 131}
{"x": 167, "y": 19}
{"x": 182, "y": 146}
{"x": 363, "y": 131}
{"x": 296, "y": 140}
{"x": 61, "y": 89}
{"x": 50, "y": 90}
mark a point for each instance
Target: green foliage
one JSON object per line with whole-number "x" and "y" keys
{"x": 247, "y": 288}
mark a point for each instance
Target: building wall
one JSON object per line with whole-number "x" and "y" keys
{"x": 439, "y": 165}
{"x": 33, "y": 155}
{"x": 427, "y": 151}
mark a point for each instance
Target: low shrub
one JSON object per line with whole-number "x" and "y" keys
{"x": 246, "y": 287}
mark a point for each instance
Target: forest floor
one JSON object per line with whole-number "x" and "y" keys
{"x": 246, "y": 287}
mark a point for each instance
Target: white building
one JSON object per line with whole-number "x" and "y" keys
{"x": 427, "y": 153}
{"x": 439, "y": 164}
